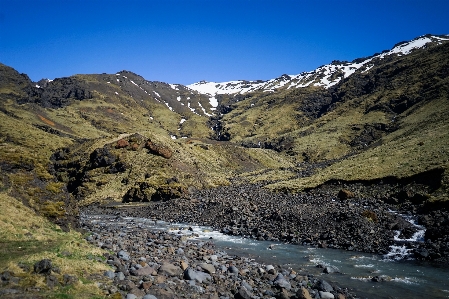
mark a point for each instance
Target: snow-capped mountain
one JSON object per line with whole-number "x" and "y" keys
{"x": 325, "y": 76}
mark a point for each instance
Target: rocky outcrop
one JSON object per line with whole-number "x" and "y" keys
{"x": 158, "y": 149}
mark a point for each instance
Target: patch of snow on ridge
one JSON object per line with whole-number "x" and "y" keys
{"x": 171, "y": 109}
{"x": 174, "y": 86}
{"x": 213, "y": 102}
{"x": 204, "y": 110}
{"x": 408, "y": 47}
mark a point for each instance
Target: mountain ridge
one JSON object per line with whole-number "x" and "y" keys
{"x": 304, "y": 79}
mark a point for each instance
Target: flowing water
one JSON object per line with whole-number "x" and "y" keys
{"x": 401, "y": 276}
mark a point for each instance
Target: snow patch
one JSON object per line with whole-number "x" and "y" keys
{"x": 204, "y": 110}
{"x": 171, "y": 109}
{"x": 213, "y": 102}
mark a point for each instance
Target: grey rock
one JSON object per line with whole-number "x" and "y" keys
{"x": 120, "y": 276}
{"x": 281, "y": 282}
{"x": 43, "y": 266}
{"x": 233, "y": 270}
{"x": 331, "y": 269}
{"x": 170, "y": 270}
{"x": 147, "y": 270}
{"x": 131, "y": 296}
{"x": 123, "y": 255}
{"x": 326, "y": 295}
{"x": 191, "y": 274}
{"x": 324, "y": 286}
{"x": 246, "y": 285}
{"x": 109, "y": 274}
{"x": 270, "y": 269}
{"x": 149, "y": 297}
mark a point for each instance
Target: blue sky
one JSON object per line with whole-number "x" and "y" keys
{"x": 188, "y": 41}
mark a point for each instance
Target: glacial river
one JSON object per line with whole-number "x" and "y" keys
{"x": 402, "y": 277}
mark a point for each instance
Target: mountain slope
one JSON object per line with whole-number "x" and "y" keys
{"x": 366, "y": 111}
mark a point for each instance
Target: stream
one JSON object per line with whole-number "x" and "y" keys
{"x": 394, "y": 275}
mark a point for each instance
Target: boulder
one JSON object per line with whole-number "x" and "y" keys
{"x": 169, "y": 270}
{"x": 233, "y": 270}
{"x": 281, "y": 282}
{"x": 43, "y": 266}
{"x": 208, "y": 268}
{"x": 331, "y": 269}
{"x": 326, "y": 295}
{"x": 147, "y": 270}
{"x": 324, "y": 286}
{"x": 198, "y": 276}
{"x": 303, "y": 293}
{"x": 158, "y": 150}
{"x": 122, "y": 143}
{"x": 123, "y": 255}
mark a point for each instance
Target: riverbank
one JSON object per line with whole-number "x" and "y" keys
{"x": 329, "y": 217}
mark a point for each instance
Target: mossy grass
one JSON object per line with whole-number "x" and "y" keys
{"x": 27, "y": 238}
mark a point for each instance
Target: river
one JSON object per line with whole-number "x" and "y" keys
{"x": 398, "y": 275}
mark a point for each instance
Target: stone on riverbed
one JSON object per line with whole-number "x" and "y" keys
{"x": 123, "y": 255}
{"x": 303, "y": 293}
{"x": 169, "y": 270}
{"x": 281, "y": 282}
{"x": 208, "y": 268}
{"x": 324, "y": 286}
{"x": 147, "y": 270}
{"x": 326, "y": 295}
{"x": 199, "y": 276}
{"x": 233, "y": 270}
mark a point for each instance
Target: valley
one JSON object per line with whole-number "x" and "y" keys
{"x": 332, "y": 158}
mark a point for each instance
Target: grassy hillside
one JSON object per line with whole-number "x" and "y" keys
{"x": 389, "y": 121}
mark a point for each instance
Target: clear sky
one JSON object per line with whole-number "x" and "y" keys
{"x": 186, "y": 41}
